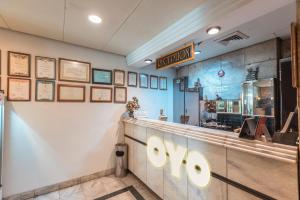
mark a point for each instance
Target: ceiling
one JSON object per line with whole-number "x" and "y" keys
{"x": 266, "y": 27}
{"x": 132, "y": 27}
{"x": 126, "y": 25}
{"x": 260, "y": 19}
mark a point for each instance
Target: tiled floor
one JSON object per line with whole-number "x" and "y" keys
{"x": 100, "y": 187}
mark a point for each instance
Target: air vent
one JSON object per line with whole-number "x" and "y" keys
{"x": 236, "y": 36}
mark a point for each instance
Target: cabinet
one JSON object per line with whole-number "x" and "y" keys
{"x": 137, "y": 152}
{"x": 175, "y": 188}
{"x": 155, "y": 175}
{"x": 130, "y": 144}
{"x": 237, "y": 194}
{"x": 248, "y": 169}
{"x": 140, "y": 161}
{"x": 216, "y": 157}
{"x": 129, "y": 129}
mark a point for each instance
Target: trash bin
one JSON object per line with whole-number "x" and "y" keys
{"x": 121, "y": 160}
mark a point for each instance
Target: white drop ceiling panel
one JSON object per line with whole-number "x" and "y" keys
{"x": 79, "y": 30}
{"x": 149, "y": 19}
{"x": 39, "y": 17}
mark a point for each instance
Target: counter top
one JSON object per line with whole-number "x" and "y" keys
{"x": 284, "y": 153}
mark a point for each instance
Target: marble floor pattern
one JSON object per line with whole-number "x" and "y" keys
{"x": 99, "y": 187}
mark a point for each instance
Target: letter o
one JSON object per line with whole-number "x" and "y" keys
{"x": 156, "y": 151}
{"x": 197, "y": 169}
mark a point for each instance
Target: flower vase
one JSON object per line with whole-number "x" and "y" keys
{"x": 130, "y": 113}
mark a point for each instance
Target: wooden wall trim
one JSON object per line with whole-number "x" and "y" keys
{"x": 298, "y": 89}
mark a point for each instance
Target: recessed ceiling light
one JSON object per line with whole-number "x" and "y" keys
{"x": 213, "y": 30}
{"x": 197, "y": 52}
{"x": 95, "y": 19}
{"x": 148, "y": 61}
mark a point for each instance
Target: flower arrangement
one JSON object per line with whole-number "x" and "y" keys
{"x": 210, "y": 106}
{"x": 132, "y": 106}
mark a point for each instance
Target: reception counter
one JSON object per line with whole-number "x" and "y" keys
{"x": 214, "y": 164}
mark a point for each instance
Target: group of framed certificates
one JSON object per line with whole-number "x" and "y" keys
{"x": 19, "y": 82}
{"x": 117, "y": 77}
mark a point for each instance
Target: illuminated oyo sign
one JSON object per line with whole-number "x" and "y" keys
{"x": 196, "y": 165}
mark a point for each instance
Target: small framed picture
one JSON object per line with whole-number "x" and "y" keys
{"x": 45, "y": 68}
{"x": 153, "y": 82}
{"x": 163, "y": 83}
{"x": 132, "y": 79}
{"x": 18, "y": 64}
{"x": 143, "y": 80}
{"x": 70, "y": 93}
{"x": 120, "y": 95}
{"x": 119, "y": 77}
{"x": 101, "y": 94}
{"x": 45, "y": 90}
{"x": 18, "y": 89}
{"x": 73, "y": 70}
{"x": 101, "y": 76}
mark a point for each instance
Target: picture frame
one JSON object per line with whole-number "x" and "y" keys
{"x": 45, "y": 90}
{"x": 132, "y": 79}
{"x": 294, "y": 56}
{"x": 101, "y": 76}
{"x": 119, "y": 77}
{"x": 74, "y": 71}
{"x": 163, "y": 83}
{"x": 18, "y": 64}
{"x": 120, "y": 95}
{"x": 101, "y": 94}
{"x": 70, "y": 93}
{"x": 153, "y": 82}
{"x": 143, "y": 79}
{"x": 45, "y": 68}
{"x": 18, "y": 89}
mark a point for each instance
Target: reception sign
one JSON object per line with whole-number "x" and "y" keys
{"x": 181, "y": 55}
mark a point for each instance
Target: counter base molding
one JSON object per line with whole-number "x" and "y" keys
{"x": 238, "y": 168}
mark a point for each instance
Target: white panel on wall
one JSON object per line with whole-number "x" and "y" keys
{"x": 47, "y": 143}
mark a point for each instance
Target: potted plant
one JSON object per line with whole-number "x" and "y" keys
{"x": 132, "y": 106}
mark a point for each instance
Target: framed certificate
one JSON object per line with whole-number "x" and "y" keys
{"x": 119, "y": 77}
{"x": 44, "y": 90}
{"x": 45, "y": 68}
{"x": 143, "y": 80}
{"x": 120, "y": 95}
{"x": 163, "y": 83}
{"x": 101, "y": 76}
{"x": 18, "y": 64}
{"x": 18, "y": 89}
{"x": 132, "y": 79}
{"x": 101, "y": 94}
{"x": 70, "y": 93}
{"x": 153, "y": 82}
{"x": 74, "y": 71}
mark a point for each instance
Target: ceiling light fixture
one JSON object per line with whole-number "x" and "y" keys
{"x": 95, "y": 19}
{"x": 197, "y": 52}
{"x": 213, "y": 30}
{"x": 148, "y": 61}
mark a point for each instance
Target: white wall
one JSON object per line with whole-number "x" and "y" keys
{"x": 46, "y": 143}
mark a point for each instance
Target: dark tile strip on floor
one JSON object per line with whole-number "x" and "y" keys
{"x": 130, "y": 189}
